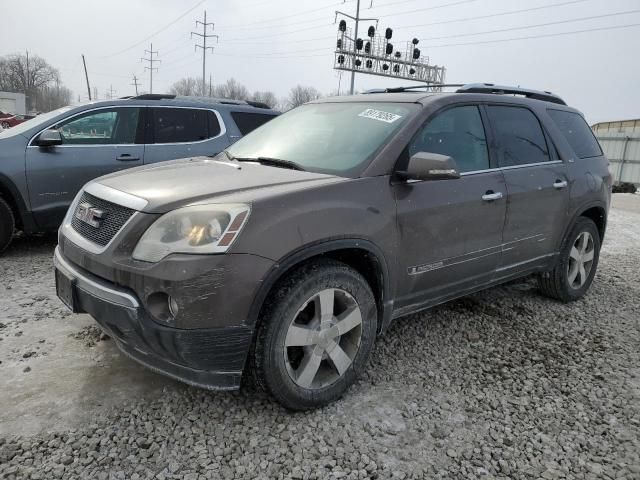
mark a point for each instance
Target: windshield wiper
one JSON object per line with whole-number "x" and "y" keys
{"x": 272, "y": 162}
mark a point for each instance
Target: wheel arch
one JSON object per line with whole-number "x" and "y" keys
{"x": 10, "y": 194}
{"x": 362, "y": 255}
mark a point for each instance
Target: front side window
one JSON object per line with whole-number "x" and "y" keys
{"x": 336, "y": 138}
{"x": 109, "y": 126}
{"x": 180, "y": 125}
{"x": 519, "y": 134}
{"x": 458, "y": 133}
{"x": 577, "y": 132}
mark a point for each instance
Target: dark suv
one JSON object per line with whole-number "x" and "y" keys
{"x": 287, "y": 254}
{"x": 46, "y": 160}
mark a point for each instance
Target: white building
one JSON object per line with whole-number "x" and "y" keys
{"x": 13, "y": 103}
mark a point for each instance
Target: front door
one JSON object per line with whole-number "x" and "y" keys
{"x": 537, "y": 187}
{"x": 95, "y": 143}
{"x": 450, "y": 230}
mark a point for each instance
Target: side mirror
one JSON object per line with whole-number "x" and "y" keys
{"x": 430, "y": 166}
{"x": 49, "y": 138}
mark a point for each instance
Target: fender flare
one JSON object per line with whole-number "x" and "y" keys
{"x": 305, "y": 252}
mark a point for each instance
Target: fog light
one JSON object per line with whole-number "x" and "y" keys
{"x": 173, "y": 307}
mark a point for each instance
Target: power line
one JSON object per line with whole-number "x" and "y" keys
{"x": 151, "y": 68}
{"x": 593, "y": 17}
{"x": 156, "y": 32}
{"x": 279, "y": 19}
{"x": 559, "y": 34}
{"x": 493, "y": 15}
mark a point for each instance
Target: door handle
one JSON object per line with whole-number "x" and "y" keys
{"x": 560, "y": 184}
{"x": 125, "y": 157}
{"x": 490, "y": 196}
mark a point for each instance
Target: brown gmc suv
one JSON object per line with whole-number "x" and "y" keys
{"x": 287, "y": 254}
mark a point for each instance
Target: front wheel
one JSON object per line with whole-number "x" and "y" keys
{"x": 316, "y": 335}
{"x": 574, "y": 272}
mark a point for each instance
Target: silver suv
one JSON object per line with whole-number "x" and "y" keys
{"x": 46, "y": 160}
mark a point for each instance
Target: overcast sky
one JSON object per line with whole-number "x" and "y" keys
{"x": 276, "y": 44}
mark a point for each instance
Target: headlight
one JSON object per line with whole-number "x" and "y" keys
{"x": 199, "y": 229}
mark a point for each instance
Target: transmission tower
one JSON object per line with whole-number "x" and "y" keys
{"x": 204, "y": 35}
{"x": 151, "y": 61}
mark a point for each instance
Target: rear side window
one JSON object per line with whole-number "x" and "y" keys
{"x": 179, "y": 125}
{"x": 519, "y": 136}
{"x": 248, "y": 122}
{"x": 577, "y": 133}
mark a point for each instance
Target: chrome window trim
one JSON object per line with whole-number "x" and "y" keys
{"x": 511, "y": 167}
{"x": 223, "y": 127}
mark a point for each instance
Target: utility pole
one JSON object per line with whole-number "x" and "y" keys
{"x": 204, "y": 47}
{"x": 151, "y": 68}
{"x": 86, "y": 76}
{"x": 136, "y": 84}
{"x": 357, "y": 21}
{"x": 210, "y": 91}
{"x": 110, "y": 92}
{"x": 95, "y": 93}
{"x": 26, "y": 80}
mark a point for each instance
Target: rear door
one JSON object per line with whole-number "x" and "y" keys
{"x": 95, "y": 143}
{"x": 182, "y": 132}
{"x": 537, "y": 186}
{"x": 450, "y": 230}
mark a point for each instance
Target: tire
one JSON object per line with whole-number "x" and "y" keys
{"x": 5, "y": 125}
{"x": 7, "y": 225}
{"x": 333, "y": 359}
{"x": 567, "y": 282}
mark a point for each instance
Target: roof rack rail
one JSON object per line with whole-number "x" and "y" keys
{"x": 154, "y": 96}
{"x": 412, "y": 87}
{"x": 258, "y": 104}
{"x": 505, "y": 90}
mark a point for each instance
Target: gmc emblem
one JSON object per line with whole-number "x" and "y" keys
{"x": 89, "y": 214}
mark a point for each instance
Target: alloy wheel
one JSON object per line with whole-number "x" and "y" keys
{"x": 580, "y": 260}
{"x": 323, "y": 339}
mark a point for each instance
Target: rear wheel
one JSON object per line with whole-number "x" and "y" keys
{"x": 574, "y": 272}
{"x": 316, "y": 335}
{"x": 7, "y": 225}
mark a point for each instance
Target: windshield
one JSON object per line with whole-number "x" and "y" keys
{"x": 34, "y": 122}
{"x": 335, "y": 138}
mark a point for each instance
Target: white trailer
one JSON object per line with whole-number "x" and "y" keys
{"x": 13, "y": 103}
{"x": 620, "y": 141}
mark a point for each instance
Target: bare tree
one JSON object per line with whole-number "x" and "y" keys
{"x": 231, "y": 89}
{"x": 301, "y": 94}
{"x": 266, "y": 97}
{"x": 18, "y": 75}
{"x": 187, "y": 86}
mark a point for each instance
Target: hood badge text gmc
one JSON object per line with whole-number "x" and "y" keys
{"x": 89, "y": 214}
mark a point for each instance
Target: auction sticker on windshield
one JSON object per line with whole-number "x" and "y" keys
{"x": 380, "y": 115}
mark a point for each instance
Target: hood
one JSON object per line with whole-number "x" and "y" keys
{"x": 169, "y": 185}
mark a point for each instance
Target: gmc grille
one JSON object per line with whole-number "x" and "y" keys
{"x": 115, "y": 216}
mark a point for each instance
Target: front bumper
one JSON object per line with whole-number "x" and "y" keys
{"x": 211, "y": 358}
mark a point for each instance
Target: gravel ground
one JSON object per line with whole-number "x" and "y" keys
{"x": 502, "y": 384}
